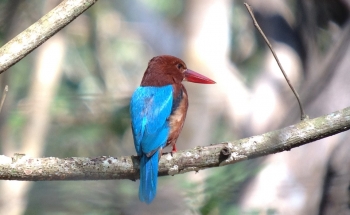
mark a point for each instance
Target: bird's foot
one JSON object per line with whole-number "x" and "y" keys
{"x": 173, "y": 150}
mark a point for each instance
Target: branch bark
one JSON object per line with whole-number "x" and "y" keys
{"x": 21, "y": 167}
{"x": 42, "y": 30}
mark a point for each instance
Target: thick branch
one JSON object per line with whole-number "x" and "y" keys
{"x": 42, "y": 30}
{"x": 21, "y": 167}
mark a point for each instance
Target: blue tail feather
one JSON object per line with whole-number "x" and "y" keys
{"x": 148, "y": 177}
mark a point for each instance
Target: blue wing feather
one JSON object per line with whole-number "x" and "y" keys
{"x": 150, "y": 108}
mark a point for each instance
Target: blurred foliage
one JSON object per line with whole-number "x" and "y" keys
{"x": 168, "y": 9}
{"x": 243, "y": 47}
{"x": 224, "y": 186}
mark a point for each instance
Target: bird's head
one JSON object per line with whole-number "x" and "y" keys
{"x": 165, "y": 69}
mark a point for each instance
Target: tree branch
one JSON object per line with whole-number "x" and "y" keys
{"x": 21, "y": 167}
{"x": 42, "y": 30}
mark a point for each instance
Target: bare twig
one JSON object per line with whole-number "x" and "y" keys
{"x": 21, "y": 167}
{"x": 303, "y": 116}
{"x": 42, "y": 30}
{"x": 3, "y": 97}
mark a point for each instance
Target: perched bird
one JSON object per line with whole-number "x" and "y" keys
{"x": 158, "y": 111}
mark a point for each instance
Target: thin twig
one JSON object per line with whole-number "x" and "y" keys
{"x": 3, "y": 96}
{"x": 303, "y": 116}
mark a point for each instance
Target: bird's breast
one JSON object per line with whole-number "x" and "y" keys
{"x": 178, "y": 114}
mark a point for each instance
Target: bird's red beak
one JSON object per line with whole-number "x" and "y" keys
{"x": 195, "y": 77}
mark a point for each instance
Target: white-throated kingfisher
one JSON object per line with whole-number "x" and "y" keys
{"x": 158, "y": 111}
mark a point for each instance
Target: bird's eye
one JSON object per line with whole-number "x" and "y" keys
{"x": 180, "y": 66}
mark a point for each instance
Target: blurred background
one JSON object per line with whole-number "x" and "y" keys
{"x": 70, "y": 97}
